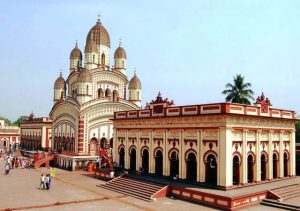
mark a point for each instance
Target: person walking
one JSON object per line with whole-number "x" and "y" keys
{"x": 42, "y": 181}
{"x": 7, "y": 168}
{"x": 97, "y": 163}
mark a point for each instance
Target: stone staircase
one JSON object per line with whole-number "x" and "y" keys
{"x": 45, "y": 160}
{"x": 136, "y": 188}
{"x": 277, "y": 196}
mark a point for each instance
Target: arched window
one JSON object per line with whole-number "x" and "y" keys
{"x": 107, "y": 92}
{"x": 103, "y": 59}
{"x": 115, "y": 95}
{"x": 100, "y": 93}
{"x": 87, "y": 89}
{"x": 61, "y": 95}
{"x": 94, "y": 58}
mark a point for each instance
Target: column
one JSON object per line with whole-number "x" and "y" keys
{"x": 244, "y": 158}
{"x": 281, "y": 170}
{"x": 151, "y": 157}
{"x": 115, "y": 146}
{"x": 201, "y": 163}
{"x": 225, "y": 157}
{"x": 258, "y": 157}
{"x": 292, "y": 160}
{"x": 198, "y": 155}
{"x": 270, "y": 156}
{"x": 80, "y": 135}
{"x": 138, "y": 151}
{"x": 166, "y": 162}
{"x": 127, "y": 156}
{"x": 181, "y": 155}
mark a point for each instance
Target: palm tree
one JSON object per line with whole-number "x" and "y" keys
{"x": 239, "y": 91}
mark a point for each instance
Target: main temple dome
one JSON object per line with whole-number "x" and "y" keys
{"x": 99, "y": 34}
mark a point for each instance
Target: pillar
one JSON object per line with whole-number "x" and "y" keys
{"x": 225, "y": 157}
{"x": 151, "y": 157}
{"x": 270, "y": 156}
{"x": 127, "y": 156}
{"x": 281, "y": 169}
{"x": 166, "y": 169}
{"x": 258, "y": 156}
{"x": 138, "y": 151}
{"x": 244, "y": 158}
{"x": 201, "y": 154}
{"x": 182, "y": 164}
{"x": 292, "y": 160}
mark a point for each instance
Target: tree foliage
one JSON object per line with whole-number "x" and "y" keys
{"x": 239, "y": 91}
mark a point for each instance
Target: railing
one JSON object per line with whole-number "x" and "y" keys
{"x": 38, "y": 163}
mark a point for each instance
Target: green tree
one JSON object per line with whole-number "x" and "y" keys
{"x": 239, "y": 91}
{"x": 6, "y": 121}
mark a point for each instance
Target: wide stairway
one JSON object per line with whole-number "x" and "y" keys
{"x": 140, "y": 189}
{"x": 277, "y": 197}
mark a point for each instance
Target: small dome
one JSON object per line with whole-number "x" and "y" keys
{"x": 84, "y": 76}
{"x": 76, "y": 53}
{"x": 60, "y": 82}
{"x": 100, "y": 35}
{"x": 135, "y": 83}
{"x": 120, "y": 53}
{"x": 90, "y": 45}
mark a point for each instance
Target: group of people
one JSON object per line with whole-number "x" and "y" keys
{"x": 45, "y": 181}
{"x": 12, "y": 161}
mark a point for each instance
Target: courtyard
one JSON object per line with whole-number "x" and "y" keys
{"x": 75, "y": 191}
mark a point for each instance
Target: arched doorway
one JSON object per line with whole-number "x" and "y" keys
{"x": 263, "y": 167}
{"x": 191, "y": 168}
{"x": 174, "y": 164}
{"x": 158, "y": 163}
{"x": 145, "y": 161}
{"x": 122, "y": 158}
{"x": 102, "y": 142}
{"x": 250, "y": 168}
{"x": 111, "y": 143}
{"x": 211, "y": 170}
{"x": 275, "y": 164}
{"x": 133, "y": 160}
{"x": 236, "y": 170}
{"x": 285, "y": 164}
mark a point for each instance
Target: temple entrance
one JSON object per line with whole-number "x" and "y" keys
{"x": 111, "y": 143}
{"x": 263, "y": 167}
{"x": 158, "y": 163}
{"x": 250, "y": 164}
{"x": 133, "y": 160}
{"x": 285, "y": 164}
{"x": 211, "y": 170}
{"x": 191, "y": 168}
{"x": 174, "y": 164}
{"x": 93, "y": 147}
{"x": 145, "y": 161}
{"x": 236, "y": 170}
{"x": 102, "y": 143}
{"x": 122, "y": 158}
{"x": 275, "y": 163}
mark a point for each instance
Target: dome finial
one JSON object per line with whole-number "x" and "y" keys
{"x": 76, "y": 44}
{"x": 120, "y": 42}
{"x": 60, "y": 72}
{"x": 134, "y": 69}
{"x": 99, "y": 18}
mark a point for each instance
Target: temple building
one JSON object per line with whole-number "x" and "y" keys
{"x": 85, "y": 101}
{"x": 36, "y": 133}
{"x": 226, "y": 145}
{"x": 9, "y": 135}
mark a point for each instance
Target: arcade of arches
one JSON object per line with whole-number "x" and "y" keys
{"x": 217, "y": 149}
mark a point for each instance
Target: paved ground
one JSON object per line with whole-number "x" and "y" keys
{"x": 75, "y": 191}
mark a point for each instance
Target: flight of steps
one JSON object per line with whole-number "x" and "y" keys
{"x": 287, "y": 192}
{"x": 276, "y": 197}
{"x": 140, "y": 189}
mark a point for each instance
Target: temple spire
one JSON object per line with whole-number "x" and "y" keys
{"x": 99, "y": 18}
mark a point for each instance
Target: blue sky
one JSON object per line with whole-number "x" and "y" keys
{"x": 188, "y": 50}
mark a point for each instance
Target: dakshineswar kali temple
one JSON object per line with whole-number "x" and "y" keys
{"x": 85, "y": 102}
{"x": 222, "y": 144}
